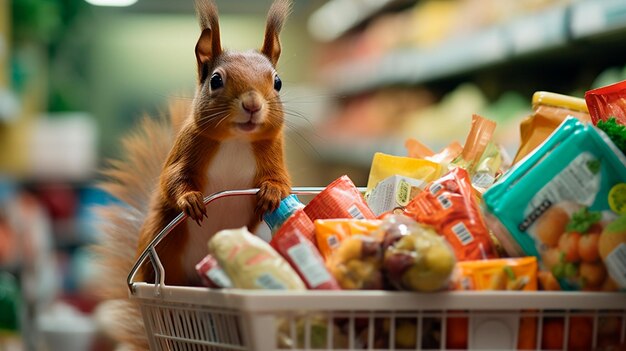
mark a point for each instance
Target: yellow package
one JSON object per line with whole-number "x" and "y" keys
{"x": 497, "y": 274}
{"x": 329, "y": 233}
{"x": 549, "y": 111}
{"x": 384, "y": 166}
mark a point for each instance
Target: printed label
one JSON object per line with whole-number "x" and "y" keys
{"x": 435, "y": 188}
{"x": 267, "y": 281}
{"x": 617, "y": 198}
{"x": 219, "y": 277}
{"x": 444, "y": 201}
{"x": 462, "y": 233}
{"x": 483, "y": 180}
{"x": 616, "y": 265}
{"x": 332, "y": 241}
{"x": 355, "y": 212}
{"x": 404, "y": 193}
{"x": 313, "y": 270}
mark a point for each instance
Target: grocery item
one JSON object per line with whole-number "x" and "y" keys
{"x": 606, "y": 102}
{"x": 554, "y": 203}
{"x": 329, "y": 233}
{"x": 305, "y": 260}
{"x": 211, "y": 274}
{"x": 340, "y": 199}
{"x": 497, "y": 274}
{"x": 384, "y": 166}
{"x": 297, "y": 222}
{"x": 357, "y": 263}
{"x": 448, "y": 205}
{"x": 251, "y": 263}
{"x": 415, "y": 149}
{"x": 319, "y": 331}
{"x": 476, "y": 143}
{"x": 549, "y": 110}
{"x": 416, "y": 258}
{"x": 287, "y": 207}
{"x": 392, "y": 193}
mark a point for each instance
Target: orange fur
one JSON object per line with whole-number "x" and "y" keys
{"x": 168, "y": 168}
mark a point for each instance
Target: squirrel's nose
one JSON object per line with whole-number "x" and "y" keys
{"x": 251, "y": 103}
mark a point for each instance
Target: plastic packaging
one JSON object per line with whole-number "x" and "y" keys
{"x": 340, "y": 199}
{"x": 251, "y": 263}
{"x": 393, "y": 193}
{"x": 286, "y": 208}
{"x": 449, "y": 206}
{"x": 357, "y": 263}
{"x": 211, "y": 274}
{"x": 497, "y": 274}
{"x": 329, "y": 233}
{"x": 554, "y": 203}
{"x": 549, "y": 111}
{"x": 415, "y": 257}
{"x": 384, "y": 166}
{"x": 608, "y": 101}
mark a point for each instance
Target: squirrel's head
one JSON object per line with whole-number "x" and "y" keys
{"x": 238, "y": 92}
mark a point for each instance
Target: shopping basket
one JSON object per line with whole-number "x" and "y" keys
{"x": 197, "y": 318}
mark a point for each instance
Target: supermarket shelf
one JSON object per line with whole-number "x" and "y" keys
{"x": 337, "y": 17}
{"x": 549, "y": 30}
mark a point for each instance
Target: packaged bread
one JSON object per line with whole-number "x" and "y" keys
{"x": 251, "y": 263}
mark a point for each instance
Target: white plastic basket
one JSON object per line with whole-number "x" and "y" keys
{"x": 194, "y": 318}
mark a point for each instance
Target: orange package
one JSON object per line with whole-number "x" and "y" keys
{"x": 606, "y": 102}
{"x": 340, "y": 199}
{"x": 329, "y": 233}
{"x": 415, "y": 149}
{"x": 515, "y": 274}
{"x": 448, "y": 205}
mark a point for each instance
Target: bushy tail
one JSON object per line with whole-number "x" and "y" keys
{"x": 132, "y": 180}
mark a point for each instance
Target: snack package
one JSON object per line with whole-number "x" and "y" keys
{"x": 606, "y": 102}
{"x": 286, "y": 208}
{"x": 416, "y": 258}
{"x": 549, "y": 110}
{"x": 448, "y": 205}
{"x": 251, "y": 263}
{"x": 305, "y": 259}
{"x": 392, "y": 193}
{"x": 478, "y": 138}
{"x": 518, "y": 274}
{"x": 557, "y": 205}
{"x": 513, "y": 274}
{"x": 357, "y": 263}
{"x": 384, "y": 166}
{"x": 297, "y": 222}
{"x": 415, "y": 149}
{"x": 340, "y": 199}
{"x": 211, "y": 274}
{"x": 329, "y": 233}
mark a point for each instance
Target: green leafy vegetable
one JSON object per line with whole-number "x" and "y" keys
{"x": 582, "y": 220}
{"x": 615, "y": 131}
{"x": 594, "y": 166}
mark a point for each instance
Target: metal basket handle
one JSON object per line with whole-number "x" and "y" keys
{"x": 150, "y": 250}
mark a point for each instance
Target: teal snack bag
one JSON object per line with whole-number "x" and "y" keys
{"x": 556, "y": 205}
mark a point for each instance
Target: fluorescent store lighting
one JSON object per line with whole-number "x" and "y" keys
{"x": 116, "y": 3}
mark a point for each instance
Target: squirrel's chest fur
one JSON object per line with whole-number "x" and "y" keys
{"x": 232, "y": 167}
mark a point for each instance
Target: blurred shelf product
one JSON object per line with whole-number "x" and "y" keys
{"x": 552, "y": 28}
{"x": 337, "y": 17}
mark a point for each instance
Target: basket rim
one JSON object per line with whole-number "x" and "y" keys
{"x": 376, "y": 300}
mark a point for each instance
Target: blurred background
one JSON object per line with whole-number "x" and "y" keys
{"x": 359, "y": 76}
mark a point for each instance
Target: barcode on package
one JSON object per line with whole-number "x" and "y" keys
{"x": 332, "y": 241}
{"x": 313, "y": 270}
{"x": 616, "y": 264}
{"x": 355, "y": 212}
{"x": 444, "y": 201}
{"x": 435, "y": 188}
{"x": 462, "y": 233}
{"x": 267, "y": 281}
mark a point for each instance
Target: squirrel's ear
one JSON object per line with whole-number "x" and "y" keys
{"x": 209, "y": 45}
{"x": 275, "y": 19}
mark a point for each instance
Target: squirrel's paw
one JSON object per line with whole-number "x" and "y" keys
{"x": 193, "y": 205}
{"x": 269, "y": 196}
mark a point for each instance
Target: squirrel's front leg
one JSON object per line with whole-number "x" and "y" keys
{"x": 184, "y": 177}
{"x": 272, "y": 177}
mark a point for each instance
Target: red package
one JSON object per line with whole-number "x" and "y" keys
{"x": 211, "y": 274}
{"x": 448, "y": 205}
{"x": 298, "y": 221}
{"x": 299, "y": 251}
{"x": 606, "y": 102}
{"x": 340, "y": 199}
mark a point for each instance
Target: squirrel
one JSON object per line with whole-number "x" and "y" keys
{"x": 229, "y": 137}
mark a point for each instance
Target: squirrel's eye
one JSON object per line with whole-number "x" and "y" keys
{"x": 216, "y": 81}
{"x": 277, "y": 83}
